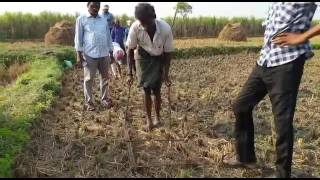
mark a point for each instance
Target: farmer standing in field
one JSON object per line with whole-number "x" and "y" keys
{"x": 154, "y": 42}
{"x": 108, "y": 16}
{"x": 278, "y": 73}
{"x": 94, "y": 45}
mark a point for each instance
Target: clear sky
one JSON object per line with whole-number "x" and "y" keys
{"x": 163, "y": 9}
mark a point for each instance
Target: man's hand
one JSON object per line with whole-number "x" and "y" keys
{"x": 112, "y": 60}
{"x": 289, "y": 39}
{"x": 80, "y": 60}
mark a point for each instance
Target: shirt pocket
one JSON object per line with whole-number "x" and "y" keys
{"x": 89, "y": 27}
{"x": 142, "y": 39}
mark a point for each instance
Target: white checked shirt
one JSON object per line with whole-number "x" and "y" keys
{"x": 92, "y": 36}
{"x": 290, "y": 17}
{"x": 162, "y": 40}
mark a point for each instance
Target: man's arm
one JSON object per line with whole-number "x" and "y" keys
{"x": 166, "y": 65}
{"x": 130, "y": 60}
{"x": 132, "y": 43}
{"x": 168, "y": 49}
{"x": 293, "y": 39}
{"x": 110, "y": 45}
{"x": 78, "y": 41}
{"x": 113, "y": 34}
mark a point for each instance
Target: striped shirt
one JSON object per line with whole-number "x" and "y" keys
{"x": 92, "y": 36}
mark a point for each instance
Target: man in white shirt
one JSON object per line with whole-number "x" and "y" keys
{"x": 93, "y": 45}
{"x": 153, "y": 41}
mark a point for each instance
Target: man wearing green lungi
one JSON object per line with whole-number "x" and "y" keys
{"x": 153, "y": 40}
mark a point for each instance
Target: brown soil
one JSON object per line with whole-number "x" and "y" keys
{"x": 68, "y": 142}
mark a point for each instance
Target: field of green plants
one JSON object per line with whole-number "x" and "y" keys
{"x": 30, "y": 79}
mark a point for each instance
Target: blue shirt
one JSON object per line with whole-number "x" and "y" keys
{"x": 92, "y": 36}
{"x": 109, "y": 18}
{"x": 126, "y": 33}
{"x": 290, "y": 17}
{"x": 118, "y": 34}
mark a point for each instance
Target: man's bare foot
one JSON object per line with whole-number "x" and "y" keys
{"x": 148, "y": 127}
{"x": 157, "y": 123}
{"x": 90, "y": 107}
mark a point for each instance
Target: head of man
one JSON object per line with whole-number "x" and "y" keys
{"x": 145, "y": 13}
{"x": 129, "y": 22}
{"x": 106, "y": 9}
{"x": 93, "y": 8}
{"x": 117, "y": 23}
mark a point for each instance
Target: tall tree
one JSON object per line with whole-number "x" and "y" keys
{"x": 182, "y": 8}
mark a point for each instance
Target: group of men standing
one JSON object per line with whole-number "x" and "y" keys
{"x": 149, "y": 44}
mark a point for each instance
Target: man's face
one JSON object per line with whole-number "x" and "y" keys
{"x": 106, "y": 10}
{"x": 147, "y": 22}
{"x": 94, "y": 8}
{"x": 117, "y": 23}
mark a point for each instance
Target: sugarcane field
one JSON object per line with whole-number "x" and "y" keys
{"x": 144, "y": 94}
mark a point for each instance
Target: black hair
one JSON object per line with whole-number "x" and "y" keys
{"x": 91, "y": 2}
{"x": 144, "y": 10}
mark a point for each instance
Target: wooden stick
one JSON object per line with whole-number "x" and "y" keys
{"x": 159, "y": 140}
{"x": 132, "y": 162}
{"x": 174, "y": 164}
{"x": 127, "y": 108}
{"x": 127, "y": 136}
{"x": 169, "y": 100}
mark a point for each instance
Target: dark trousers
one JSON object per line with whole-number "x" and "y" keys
{"x": 282, "y": 84}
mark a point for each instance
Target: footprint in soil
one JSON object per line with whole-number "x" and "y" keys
{"x": 220, "y": 130}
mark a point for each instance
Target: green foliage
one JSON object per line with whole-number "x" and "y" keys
{"x": 212, "y": 26}
{"x": 185, "y": 173}
{"x": 17, "y": 25}
{"x": 183, "y": 8}
{"x": 22, "y": 104}
{"x": 212, "y": 51}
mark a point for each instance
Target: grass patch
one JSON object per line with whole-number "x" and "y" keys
{"x": 22, "y": 103}
{"x": 212, "y": 51}
{"x": 7, "y": 75}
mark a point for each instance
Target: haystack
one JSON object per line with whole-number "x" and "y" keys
{"x": 62, "y": 33}
{"x": 233, "y": 32}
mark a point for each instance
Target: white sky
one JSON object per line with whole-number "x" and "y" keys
{"x": 163, "y": 9}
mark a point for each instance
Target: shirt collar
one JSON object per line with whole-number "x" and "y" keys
{"x": 157, "y": 27}
{"x": 89, "y": 15}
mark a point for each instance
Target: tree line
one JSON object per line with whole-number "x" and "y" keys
{"x": 18, "y": 26}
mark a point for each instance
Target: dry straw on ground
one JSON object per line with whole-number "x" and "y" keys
{"x": 67, "y": 142}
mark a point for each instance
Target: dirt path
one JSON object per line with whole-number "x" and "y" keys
{"x": 68, "y": 142}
